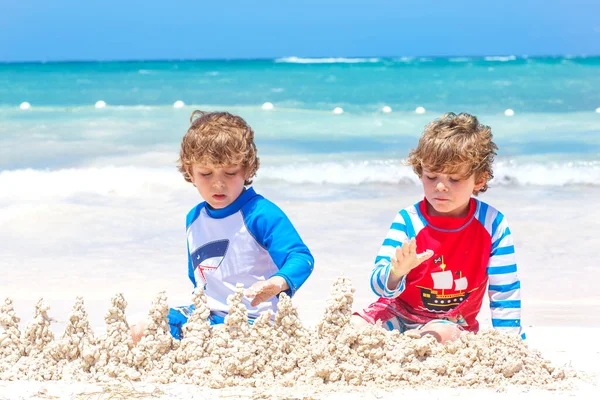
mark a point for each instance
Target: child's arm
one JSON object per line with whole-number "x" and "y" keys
{"x": 273, "y": 230}
{"x": 504, "y": 285}
{"x": 191, "y": 217}
{"x": 381, "y": 277}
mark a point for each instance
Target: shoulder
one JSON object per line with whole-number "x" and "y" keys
{"x": 262, "y": 209}
{"x": 264, "y": 218}
{"x": 489, "y": 216}
{"x": 412, "y": 211}
{"x": 485, "y": 211}
{"x": 193, "y": 214}
{"x": 410, "y": 220}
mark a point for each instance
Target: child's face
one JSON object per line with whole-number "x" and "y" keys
{"x": 449, "y": 194}
{"x": 218, "y": 186}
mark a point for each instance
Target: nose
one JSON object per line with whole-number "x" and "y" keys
{"x": 441, "y": 187}
{"x": 218, "y": 183}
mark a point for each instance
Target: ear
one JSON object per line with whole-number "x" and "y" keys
{"x": 480, "y": 182}
{"x": 247, "y": 173}
{"x": 190, "y": 174}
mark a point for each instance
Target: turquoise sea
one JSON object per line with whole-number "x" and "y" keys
{"x": 552, "y": 139}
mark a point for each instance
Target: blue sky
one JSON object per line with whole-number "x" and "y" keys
{"x": 45, "y": 30}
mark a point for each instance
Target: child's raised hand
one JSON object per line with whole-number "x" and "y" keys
{"x": 407, "y": 258}
{"x": 264, "y": 290}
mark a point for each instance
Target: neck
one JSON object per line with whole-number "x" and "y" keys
{"x": 461, "y": 212}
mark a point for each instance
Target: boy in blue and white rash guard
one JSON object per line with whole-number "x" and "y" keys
{"x": 246, "y": 242}
{"x": 235, "y": 235}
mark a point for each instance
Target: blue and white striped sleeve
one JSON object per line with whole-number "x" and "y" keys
{"x": 504, "y": 286}
{"x": 381, "y": 272}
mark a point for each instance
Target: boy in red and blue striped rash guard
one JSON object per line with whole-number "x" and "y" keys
{"x": 442, "y": 253}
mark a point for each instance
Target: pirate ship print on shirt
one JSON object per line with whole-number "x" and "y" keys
{"x": 449, "y": 289}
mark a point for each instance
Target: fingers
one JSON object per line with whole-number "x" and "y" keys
{"x": 399, "y": 256}
{"x": 250, "y": 293}
{"x": 256, "y": 301}
{"x": 409, "y": 247}
{"x": 264, "y": 294}
{"x": 412, "y": 246}
{"x": 405, "y": 248}
{"x": 137, "y": 331}
{"x": 407, "y": 257}
{"x": 402, "y": 252}
{"x": 424, "y": 256}
{"x": 255, "y": 294}
{"x": 253, "y": 290}
{"x": 261, "y": 291}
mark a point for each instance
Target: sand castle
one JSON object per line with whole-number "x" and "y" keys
{"x": 274, "y": 351}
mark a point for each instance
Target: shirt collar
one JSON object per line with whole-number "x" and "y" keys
{"x": 234, "y": 207}
{"x": 448, "y": 223}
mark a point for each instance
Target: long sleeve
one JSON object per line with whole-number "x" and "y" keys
{"x": 396, "y": 235}
{"x": 191, "y": 217}
{"x": 504, "y": 286}
{"x": 274, "y": 231}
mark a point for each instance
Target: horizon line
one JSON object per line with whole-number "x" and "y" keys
{"x": 234, "y": 59}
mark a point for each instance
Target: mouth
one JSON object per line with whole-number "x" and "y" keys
{"x": 218, "y": 196}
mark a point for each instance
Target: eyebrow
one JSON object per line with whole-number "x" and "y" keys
{"x": 456, "y": 173}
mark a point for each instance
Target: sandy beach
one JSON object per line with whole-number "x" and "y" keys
{"x": 554, "y": 238}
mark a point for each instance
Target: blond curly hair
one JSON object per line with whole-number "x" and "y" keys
{"x": 450, "y": 143}
{"x": 219, "y": 139}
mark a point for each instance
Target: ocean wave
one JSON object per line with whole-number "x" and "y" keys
{"x": 459, "y": 59}
{"x": 405, "y": 59}
{"x": 327, "y": 60}
{"x": 140, "y": 182}
{"x": 63, "y": 184}
{"x": 553, "y": 174}
{"x": 500, "y": 58}
{"x": 340, "y": 173}
{"x": 506, "y": 173}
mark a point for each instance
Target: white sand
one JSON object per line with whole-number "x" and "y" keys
{"x": 555, "y": 238}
